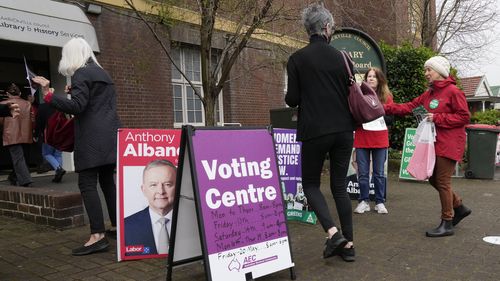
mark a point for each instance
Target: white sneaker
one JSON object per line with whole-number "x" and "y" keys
{"x": 381, "y": 209}
{"x": 362, "y": 207}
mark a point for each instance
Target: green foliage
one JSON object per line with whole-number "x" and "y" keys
{"x": 490, "y": 117}
{"x": 394, "y": 154}
{"x": 405, "y": 75}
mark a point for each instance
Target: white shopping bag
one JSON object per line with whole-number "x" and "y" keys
{"x": 422, "y": 162}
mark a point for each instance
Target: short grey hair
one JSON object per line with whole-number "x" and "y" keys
{"x": 315, "y": 17}
{"x": 158, "y": 163}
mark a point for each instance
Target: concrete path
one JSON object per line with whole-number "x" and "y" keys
{"x": 388, "y": 247}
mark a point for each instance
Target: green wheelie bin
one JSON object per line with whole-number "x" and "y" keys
{"x": 481, "y": 151}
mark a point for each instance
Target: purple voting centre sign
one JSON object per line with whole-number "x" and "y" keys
{"x": 241, "y": 202}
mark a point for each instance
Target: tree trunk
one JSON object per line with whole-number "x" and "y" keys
{"x": 209, "y": 108}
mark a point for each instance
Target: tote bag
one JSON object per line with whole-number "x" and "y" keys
{"x": 363, "y": 101}
{"x": 421, "y": 165}
{"x": 60, "y": 131}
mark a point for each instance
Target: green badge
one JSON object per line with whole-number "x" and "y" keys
{"x": 434, "y": 104}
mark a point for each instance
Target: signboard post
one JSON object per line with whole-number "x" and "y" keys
{"x": 229, "y": 209}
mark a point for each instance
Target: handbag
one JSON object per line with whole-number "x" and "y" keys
{"x": 421, "y": 165}
{"x": 60, "y": 131}
{"x": 363, "y": 101}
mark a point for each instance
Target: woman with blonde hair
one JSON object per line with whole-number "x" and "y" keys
{"x": 373, "y": 141}
{"x": 93, "y": 103}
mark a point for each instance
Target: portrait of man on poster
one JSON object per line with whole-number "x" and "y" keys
{"x": 149, "y": 229}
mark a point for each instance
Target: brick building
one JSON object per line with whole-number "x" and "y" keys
{"x": 150, "y": 94}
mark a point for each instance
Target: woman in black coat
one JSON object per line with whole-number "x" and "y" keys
{"x": 93, "y": 103}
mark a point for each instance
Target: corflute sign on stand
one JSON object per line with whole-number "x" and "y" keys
{"x": 232, "y": 177}
{"x": 146, "y": 158}
{"x": 289, "y": 165}
{"x": 408, "y": 148}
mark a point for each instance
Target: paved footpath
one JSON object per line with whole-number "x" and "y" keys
{"x": 388, "y": 247}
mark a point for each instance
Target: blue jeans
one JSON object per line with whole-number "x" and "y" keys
{"x": 52, "y": 155}
{"x": 378, "y": 156}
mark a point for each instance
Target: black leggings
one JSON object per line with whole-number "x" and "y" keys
{"x": 87, "y": 182}
{"x": 339, "y": 147}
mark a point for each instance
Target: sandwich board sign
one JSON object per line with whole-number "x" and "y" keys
{"x": 229, "y": 209}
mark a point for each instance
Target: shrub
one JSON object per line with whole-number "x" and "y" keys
{"x": 490, "y": 117}
{"x": 406, "y": 80}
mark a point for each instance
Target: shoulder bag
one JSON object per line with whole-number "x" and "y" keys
{"x": 60, "y": 131}
{"x": 363, "y": 101}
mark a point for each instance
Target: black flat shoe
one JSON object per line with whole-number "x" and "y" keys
{"x": 348, "y": 254}
{"x": 334, "y": 245}
{"x": 98, "y": 246}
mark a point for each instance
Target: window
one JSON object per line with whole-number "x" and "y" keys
{"x": 188, "y": 108}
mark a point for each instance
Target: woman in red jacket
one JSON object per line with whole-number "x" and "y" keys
{"x": 372, "y": 139}
{"x": 447, "y": 108}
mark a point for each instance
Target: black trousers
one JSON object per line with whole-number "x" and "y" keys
{"x": 339, "y": 147}
{"x": 19, "y": 164}
{"x": 87, "y": 182}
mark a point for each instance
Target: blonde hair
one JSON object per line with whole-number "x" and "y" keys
{"x": 383, "y": 91}
{"x": 75, "y": 54}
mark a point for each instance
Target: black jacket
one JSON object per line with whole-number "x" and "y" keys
{"x": 42, "y": 116}
{"x": 93, "y": 102}
{"x": 318, "y": 85}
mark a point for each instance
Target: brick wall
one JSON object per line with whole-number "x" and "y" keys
{"x": 58, "y": 209}
{"x": 138, "y": 66}
{"x": 141, "y": 72}
{"x": 141, "y": 69}
{"x": 256, "y": 86}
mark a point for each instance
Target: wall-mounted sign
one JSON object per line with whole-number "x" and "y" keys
{"x": 45, "y": 22}
{"x": 363, "y": 49}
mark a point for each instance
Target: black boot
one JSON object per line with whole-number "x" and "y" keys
{"x": 59, "y": 174}
{"x": 460, "y": 213}
{"x": 12, "y": 178}
{"x": 444, "y": 229}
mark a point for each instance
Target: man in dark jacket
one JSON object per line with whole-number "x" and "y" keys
{"x": 147, "y": 231}
{"x": 318, "y": 85}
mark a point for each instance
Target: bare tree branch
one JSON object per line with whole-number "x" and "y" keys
{"x": 131, "y": 4}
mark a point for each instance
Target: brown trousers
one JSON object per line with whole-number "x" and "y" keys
{"x": 441, "y": 181}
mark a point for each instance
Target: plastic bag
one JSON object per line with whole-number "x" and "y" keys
{"x": 421, "y": 165}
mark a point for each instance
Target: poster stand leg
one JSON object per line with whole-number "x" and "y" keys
{"x": 169, "y": 272}
{"x": 292, "y": 273}
{"x": 248, "y": 276}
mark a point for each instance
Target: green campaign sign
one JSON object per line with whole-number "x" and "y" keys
{"x": 364, "y": 51}
{"x": 408, "y": 148}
